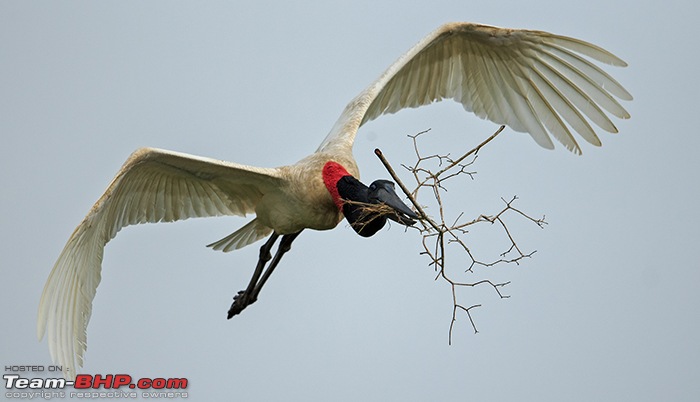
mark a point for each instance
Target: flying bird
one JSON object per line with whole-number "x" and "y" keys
{"x": 532, "y": 81}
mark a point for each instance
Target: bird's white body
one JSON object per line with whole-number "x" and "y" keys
{"x": 304, "y": 193}
{"x": 532, "y": 81}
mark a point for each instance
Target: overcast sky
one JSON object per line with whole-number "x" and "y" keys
{"x": 605, "y": 310}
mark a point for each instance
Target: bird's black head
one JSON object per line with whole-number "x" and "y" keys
{"x": 367, "y": 208}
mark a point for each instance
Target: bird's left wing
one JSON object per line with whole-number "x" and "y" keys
{"x": 153, "y": 186}
{"x": 532, "y": 81}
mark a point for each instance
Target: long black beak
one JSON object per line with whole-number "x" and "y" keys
{"x": 383, "y": 192}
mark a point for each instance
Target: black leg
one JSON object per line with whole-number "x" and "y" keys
{"x": 243, "y": 298}
{"x": 285, "y": 245}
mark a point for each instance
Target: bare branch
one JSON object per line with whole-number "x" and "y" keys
{"x": 438, "y": 235}
{"x": 473, "y": 151}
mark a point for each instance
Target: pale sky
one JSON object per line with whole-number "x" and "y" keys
{"x": 605, "y": 310}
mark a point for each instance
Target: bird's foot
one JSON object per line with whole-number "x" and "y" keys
{"x": 240, "y": 301}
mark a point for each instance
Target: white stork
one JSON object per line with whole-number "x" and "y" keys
{"x": 531, "y": 81}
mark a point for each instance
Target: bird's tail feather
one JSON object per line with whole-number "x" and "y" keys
{"x": 248, "y": 234}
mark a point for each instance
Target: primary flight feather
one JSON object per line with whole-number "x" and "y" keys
{"x": 532, "y": 81}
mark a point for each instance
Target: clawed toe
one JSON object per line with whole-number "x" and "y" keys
{"x": 240, "y": 302}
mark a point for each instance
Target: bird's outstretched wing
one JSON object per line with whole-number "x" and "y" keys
{"x": 532, "y": 81}
{"x": 152, "y": 186}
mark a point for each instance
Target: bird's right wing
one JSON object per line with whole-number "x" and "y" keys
{"x": 152, "y": 186}
{"x": 532, "y": 81}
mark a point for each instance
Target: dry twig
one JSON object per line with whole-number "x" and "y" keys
{"x": 438, "y": 234}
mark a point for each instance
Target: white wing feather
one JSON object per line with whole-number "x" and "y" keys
{"x": 532, "y": 81}
{"x": 152, "y": 186}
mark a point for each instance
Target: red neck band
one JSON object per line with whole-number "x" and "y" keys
{"x": 332, "y": 172}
